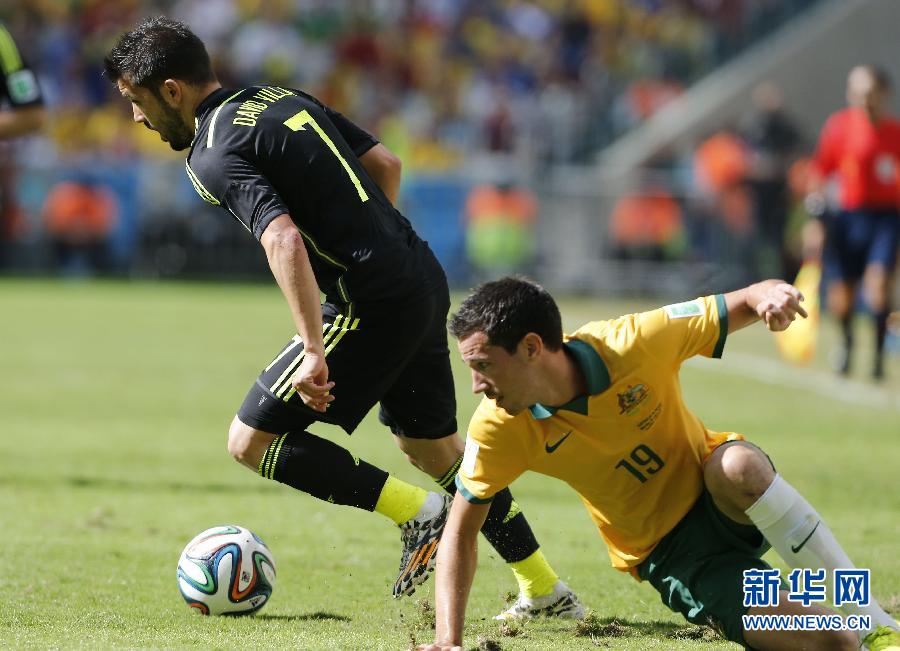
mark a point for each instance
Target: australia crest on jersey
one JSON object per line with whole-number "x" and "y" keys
{"x": 632, "y": 397}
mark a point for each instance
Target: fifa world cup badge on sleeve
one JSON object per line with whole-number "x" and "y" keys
{"x": 23, "y": 87}
{"x": 468, "y": 463}
{"x": 685, "y": 310}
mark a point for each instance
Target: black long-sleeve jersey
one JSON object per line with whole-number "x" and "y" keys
{"x": 265, "y": 151}
{"x": 18, "y": 85}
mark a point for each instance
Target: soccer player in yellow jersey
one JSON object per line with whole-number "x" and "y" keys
{"x": 682, "y": 507}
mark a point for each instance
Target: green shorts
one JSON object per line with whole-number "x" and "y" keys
{"x": 698, "y": 567}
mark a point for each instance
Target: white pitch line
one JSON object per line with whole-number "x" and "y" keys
{"x": 776, "y": 373}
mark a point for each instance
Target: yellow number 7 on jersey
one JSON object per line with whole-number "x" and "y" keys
{"x": 300, "y": 120}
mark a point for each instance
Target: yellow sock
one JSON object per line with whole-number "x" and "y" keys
{"x": 534, "y": 575}
{"x": 400, "y": 501}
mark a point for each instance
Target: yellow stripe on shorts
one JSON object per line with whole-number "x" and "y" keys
{"x": 290, "y": 347}
{"x": 295, "y": 362}
{"x": 284, "y": 382}
{"x": 328, "y": 348}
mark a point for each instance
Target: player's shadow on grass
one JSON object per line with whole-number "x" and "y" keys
{"x": 306, "y": 617}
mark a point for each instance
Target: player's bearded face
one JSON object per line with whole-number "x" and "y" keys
{"x": 171, "y": 127}
{"x": 150, "y": 109}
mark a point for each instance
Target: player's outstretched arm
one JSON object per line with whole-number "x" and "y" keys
{"x": 18, "y": 122}
{"x": 457, "y": 559}
{"x": 290, "y": 265}
{"x": 384, "y": 168}
{"x": 774, "y": 301}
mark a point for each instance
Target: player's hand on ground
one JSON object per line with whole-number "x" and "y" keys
{"x": 311, "y": 382}
{"x": 780, "y": 306}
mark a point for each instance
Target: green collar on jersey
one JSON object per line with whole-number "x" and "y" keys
{"x": 595, "y": 373}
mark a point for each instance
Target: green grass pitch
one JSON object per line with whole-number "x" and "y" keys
{"x": 116, "y": 401}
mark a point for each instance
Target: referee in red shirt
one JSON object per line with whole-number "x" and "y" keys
{"x": 860, "y": 145}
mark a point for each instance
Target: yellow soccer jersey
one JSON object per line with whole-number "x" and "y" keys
{"x": 631, "y": 449}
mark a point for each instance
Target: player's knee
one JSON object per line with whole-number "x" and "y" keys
{"x": 876, "y": 296}
{"x": 740, "y": 472}
{"x": 839, "y": 299}
{"x": 240, "y": 443}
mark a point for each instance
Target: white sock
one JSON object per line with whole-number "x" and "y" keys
{"x": 432, "y": 506}
{"x": 790, "y": 523}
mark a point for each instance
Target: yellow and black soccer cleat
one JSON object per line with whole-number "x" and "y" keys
{"x": 420, "y": 543}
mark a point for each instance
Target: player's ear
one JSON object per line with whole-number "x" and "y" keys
{"x": 532, "y": 345}
{"x": 172, "y": 92}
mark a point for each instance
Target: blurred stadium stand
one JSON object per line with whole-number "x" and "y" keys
{"x": 585, "y": 102}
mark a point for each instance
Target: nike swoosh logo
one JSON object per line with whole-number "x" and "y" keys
{"x": 805, "y": 540}
{"x": 551, "y": 448}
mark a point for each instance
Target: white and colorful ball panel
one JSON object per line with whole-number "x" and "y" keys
{"x": 226, "y": 570}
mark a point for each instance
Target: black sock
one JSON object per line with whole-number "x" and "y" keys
{"x": 881, "y": 319}
{"x": 506, "y": 527}
{"x": 847, "y": 330}
{"x": 323, "y": 469}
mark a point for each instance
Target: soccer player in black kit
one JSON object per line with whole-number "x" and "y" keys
{"x": 318, "y": 193}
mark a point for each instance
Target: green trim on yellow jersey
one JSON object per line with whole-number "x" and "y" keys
{"x": 595, "y": 373}
{"x": 468, "y": 495}
{"x": 723, "y": 326}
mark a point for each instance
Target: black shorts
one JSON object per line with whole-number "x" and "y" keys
{"x": 396, "y": 356}
{"x": 859, "y": 238}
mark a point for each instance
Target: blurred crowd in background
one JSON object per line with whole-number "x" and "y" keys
{"x": 437, "y": 79}
{"x": 440, "y": 82}
{"x": 737, "y": 197}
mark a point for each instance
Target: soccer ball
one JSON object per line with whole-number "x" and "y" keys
{"x": 226, "y": 570}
